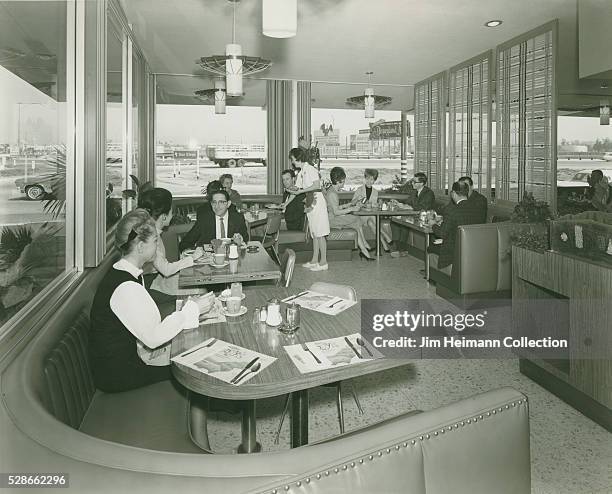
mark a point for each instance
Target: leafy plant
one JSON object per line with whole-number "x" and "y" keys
{"x": 140, "y": 188}
{"x": 55, "y": 201}
{"x": 12, "y": 243}
{"x": 530, "y": 210}
{"x": 536, "y": 214}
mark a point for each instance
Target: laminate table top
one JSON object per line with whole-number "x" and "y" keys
{"x": 250, "y": 266}
{"x": 282, "y": 376}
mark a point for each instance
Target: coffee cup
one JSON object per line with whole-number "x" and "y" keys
{"x": 233, "y": 305}
{"x": 219, "y": 259}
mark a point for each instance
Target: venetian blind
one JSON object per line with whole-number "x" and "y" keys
{"x": 430, "y": 129}
{"x": 470, "y": 122}
{"x": 526, "y": 117}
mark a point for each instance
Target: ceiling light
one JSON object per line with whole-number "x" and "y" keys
{"x": 369, "y": 101}
{"x": 279, "y": 18}
{"x": 233, "y": 65}
{"x": 217, "y": 95}
{"x": 493, "y": 23}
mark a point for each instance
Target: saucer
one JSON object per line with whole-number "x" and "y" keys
{"x": 223, "y": 298}
{"x": 219, "y": 266}
{"x": 243, "y": 310}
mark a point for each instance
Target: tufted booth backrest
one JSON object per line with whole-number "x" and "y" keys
{"x": 482, "y": 257}
{"x": 68, "y": 375}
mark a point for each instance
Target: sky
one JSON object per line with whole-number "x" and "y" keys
{"x": 42, "y": 120}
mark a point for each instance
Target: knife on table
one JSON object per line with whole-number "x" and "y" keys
{"x": 352, "y": 347}
{"x": 244, "y": 369}
{"x": 295, "y": 296}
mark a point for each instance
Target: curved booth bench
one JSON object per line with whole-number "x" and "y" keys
{"x": 53, "y": 420}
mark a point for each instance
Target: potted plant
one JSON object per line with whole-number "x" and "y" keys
{"x": 532, "y": 218}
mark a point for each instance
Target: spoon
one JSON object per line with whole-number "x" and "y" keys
{"x": 253, "y": 368}
{"x": 361, "y": 343}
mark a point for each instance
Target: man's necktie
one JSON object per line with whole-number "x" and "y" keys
{"x": 222, "y": 228}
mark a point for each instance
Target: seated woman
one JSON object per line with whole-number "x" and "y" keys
{"x": 158, "y": 203}
{"x": 125, "y": 322}
{"x": 367, "y": 194}
{"x": 340, "y": 214}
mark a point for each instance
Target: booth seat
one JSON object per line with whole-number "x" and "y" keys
{"x": 482, "y": 265}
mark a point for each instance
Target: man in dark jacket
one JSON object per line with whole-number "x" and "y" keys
{"x": 423, "y": 200}
{"x": 215, "y": 220}
{"x": 464, "y": 213}
{"x": 478, "y": 201}
{"x": 293, "y": 205}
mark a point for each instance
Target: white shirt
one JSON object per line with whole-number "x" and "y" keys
{"x": 167, "y": 281}
{"x": 225, "y": 218}
{"x": 135, "y": 308}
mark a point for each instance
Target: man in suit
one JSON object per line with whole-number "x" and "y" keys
{"x": 215, "y": 220}
{"x": 423, "y": 200}
{"x": 293, "y": 205}
{"x": 475, "y": 198}
{"x": 464, "y": 213}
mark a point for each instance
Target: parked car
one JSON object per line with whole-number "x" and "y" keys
{"x": 580, "y": 178}
{"x": 36, "y": 186}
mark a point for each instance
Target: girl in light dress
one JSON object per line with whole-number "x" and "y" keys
{"x": 308, "y": 180}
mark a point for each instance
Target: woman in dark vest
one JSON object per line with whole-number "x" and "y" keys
{"x": 125, "y": 322}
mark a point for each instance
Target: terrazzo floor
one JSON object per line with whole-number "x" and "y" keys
{"x": 569, "y": 452}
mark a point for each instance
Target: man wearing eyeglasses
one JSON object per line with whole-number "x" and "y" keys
{"x": 216, "y": 221}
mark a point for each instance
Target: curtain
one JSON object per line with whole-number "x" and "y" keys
{"x": 303, "y": 109}
{"x": 430, "y": 130}
{"x": 278, "y": 103}
{"x": 469, "y": 142}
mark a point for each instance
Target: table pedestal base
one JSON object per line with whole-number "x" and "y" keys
{"x": 299, "y": 418}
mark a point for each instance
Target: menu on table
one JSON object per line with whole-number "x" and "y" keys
{"x": 321, "y": 302}
{"x": 332, "y": 352}
{"x": 224, "y": 361}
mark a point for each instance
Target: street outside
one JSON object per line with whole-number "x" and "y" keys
{"x": 15, "y": 208}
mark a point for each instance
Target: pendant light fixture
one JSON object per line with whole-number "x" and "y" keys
{"x": 369, "y": 101}
{"x": 279, "y": 18}
{"x": 217, "y": 95}
{"x": 233, "y": 65}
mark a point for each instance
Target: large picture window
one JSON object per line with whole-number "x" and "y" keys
{"x": 34, "y": 249}
{"x": 195, "y": 145}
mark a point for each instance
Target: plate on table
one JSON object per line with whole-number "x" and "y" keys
{"x": 219, "y": 266}
{"x": 243, "y": 310}
{"x": 224, "y": 298}
{"x": 188, "y": 252}
{"x": 273, "y": 206}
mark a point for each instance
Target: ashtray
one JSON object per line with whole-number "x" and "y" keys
{"x": 252, "y": 248}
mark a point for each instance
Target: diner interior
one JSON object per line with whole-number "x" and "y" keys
{"x": 369, "y": 116}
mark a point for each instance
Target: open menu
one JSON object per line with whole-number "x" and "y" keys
{"x": 224, "y": 361}
{"x": 321, "y": 302}
{"x": 332, "y": 352}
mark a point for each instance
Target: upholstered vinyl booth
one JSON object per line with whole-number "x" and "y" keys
{"x": 52, "y": 419}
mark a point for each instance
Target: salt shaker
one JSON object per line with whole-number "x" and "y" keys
{"x": 256, "y": 316}
{"x": 263, "y": 314}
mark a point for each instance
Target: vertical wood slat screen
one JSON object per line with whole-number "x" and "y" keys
{"x": 526, "y": 149}
{"x": 303, "y": 108}
{"x": 278, "y": 104}
{"x": 470, "y": 122}
{"x": 430, "y": 130}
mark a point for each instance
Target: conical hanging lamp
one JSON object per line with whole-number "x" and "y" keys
{"x": 369, "y": 101}
{"x": 233, "y": 65}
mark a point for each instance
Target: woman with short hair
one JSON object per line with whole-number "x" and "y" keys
{"x": 126, "y": 325}
{"x": 340, "y": 214}
{"x": 158, "y": 203}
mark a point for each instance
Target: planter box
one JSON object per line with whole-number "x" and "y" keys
{"x": 587, "y": 235}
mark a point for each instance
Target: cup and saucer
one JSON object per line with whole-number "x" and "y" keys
{"x": 225, "y": 294}
{"x": 219, "y": 266}
{"x": 233, "y": 308}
